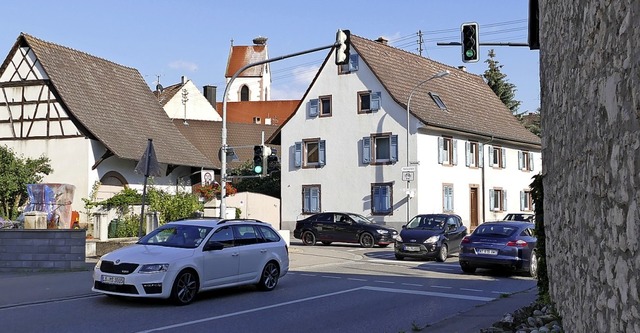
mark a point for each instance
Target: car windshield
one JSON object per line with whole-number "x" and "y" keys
{"x": 427, "y": 222}
{"x": 360, "y": 219}
{"x": 519, "y": 217}
{"x": 495, "y": 230}
{"x": 176, "y": 235}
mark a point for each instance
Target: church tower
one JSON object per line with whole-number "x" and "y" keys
{"x": 254, "y": 84}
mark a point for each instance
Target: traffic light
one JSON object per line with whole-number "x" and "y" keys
{"x": 470, "y": 42}
{"x": 272, "y": 162}
{"x": 258, "y": 159}
{"x": 343, "y": 41}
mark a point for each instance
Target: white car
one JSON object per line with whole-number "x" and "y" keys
{"x": 182, "y": 258}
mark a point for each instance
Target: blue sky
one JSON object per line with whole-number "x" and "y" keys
{"x": 192, "y": 37}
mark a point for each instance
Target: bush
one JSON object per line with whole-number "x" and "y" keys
{"x": 128, "y": 226}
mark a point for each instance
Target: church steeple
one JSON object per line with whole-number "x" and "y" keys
{"x": 254, "y": 84}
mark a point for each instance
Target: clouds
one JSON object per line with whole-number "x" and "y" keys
{"x": 183, "y": 65}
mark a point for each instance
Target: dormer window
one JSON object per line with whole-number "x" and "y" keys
{"x": 436, "y": 98}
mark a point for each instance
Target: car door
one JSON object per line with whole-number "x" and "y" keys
{"x": 252, "y": 252}
{"x": 455, "y": 232}
{"x": 221, "y": 266}
{"x": 324, "y": 226}
{"x": 345, "y": 229}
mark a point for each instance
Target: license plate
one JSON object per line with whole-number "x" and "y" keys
{"x": 412, "y": 248}
{"x": 487, "y": 251}
{"x": 112, "y": 279}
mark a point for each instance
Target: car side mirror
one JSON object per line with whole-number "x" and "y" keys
{"x": 213, "y": 246}
{"x": 404, "y": 226}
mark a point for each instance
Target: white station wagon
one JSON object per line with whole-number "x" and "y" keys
{"x": 182, "y": 258}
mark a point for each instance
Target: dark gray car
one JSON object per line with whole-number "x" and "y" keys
{"x": 430, "y": 236}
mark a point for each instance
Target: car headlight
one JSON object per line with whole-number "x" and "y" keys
{"x": 154, "y": 268}
{"x": 98, "y": 264}
{"x": 432, "y": 239}
{"x": 397, "y": 238}
{"x": 382, "y": 232}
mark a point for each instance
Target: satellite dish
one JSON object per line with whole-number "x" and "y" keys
{"x": 159, "y": 87}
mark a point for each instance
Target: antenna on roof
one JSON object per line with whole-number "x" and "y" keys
{"x": 158, "y": 85}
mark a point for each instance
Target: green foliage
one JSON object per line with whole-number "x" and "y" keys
{"x": 499, "y": 84}
{"x": 537, "y": 194}
{"x": 127, "y": 226}
{"x": 269, "y": 185}
{"x": 531, "y": 122}
{"x": 121, "y": 201}
{"x": 173, "y": 206}
{"x": 15, "y": 173}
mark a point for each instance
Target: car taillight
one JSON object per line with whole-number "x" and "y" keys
{"x": 466, "y": 240}
{"x": 518, "y": 243}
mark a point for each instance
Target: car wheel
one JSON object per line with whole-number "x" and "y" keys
{"x": 366, "y": 240}
{"x": 270, "y": 277}
{"x": 308, "y": 238}
{"x": 185, "y": 287}
{"x": 533, "y": 265}
{"x": 326, "y": 243}
{"x": 443, "y": 254}
{"x": 467, "y": 268}
{"x": 399, "y": 257}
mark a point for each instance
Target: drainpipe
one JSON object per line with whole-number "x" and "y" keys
{"x": 484, "y": 209}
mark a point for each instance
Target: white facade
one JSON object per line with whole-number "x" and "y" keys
{"x": 196, "y": 107}
{"x": 345, "y": 181}
{"x": 258, "y": 87}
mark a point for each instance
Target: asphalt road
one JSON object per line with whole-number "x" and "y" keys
{"x": 337, "y": 288}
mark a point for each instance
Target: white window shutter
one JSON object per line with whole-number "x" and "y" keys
{"x": 530, "y": 161}
{"x": 492, "y": 203}
{"x": 522, "y": 204}
{"x": 467, "y": 155}
{"x": 455, "y": 151}
{"x": 504, "y": 200}
{"x": 313, "y": 108}
{"x": 394, "y": 148}
{"x": 322, "y": 153}
{"x": 490, "y": 156}
{"x": 440, "y": 150}
{"x": 480, "y": 155}
{"x": 520, "y": 160}
{"x": 297, "y": 158}
{"x": 366, "y": 150}
{"x": 374, "y": 103}
{"x": 503, "y": 162}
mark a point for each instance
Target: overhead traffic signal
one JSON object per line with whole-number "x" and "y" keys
{"x": 272, "y": 162}
{"x": 258, "y": 159}
{"x": 470, "y": 42}
{"x": 343, "y": 44}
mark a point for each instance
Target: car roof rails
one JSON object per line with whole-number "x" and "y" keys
{"x": 239, "y": 220}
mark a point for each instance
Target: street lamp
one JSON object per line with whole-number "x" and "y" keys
{"x": 435, "y": 76}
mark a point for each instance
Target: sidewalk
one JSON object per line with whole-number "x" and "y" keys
{"x": 483, "y": 316}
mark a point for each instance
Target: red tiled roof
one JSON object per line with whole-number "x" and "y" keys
{"x": 245, "y": 112}
{"x": 243, "y": 55}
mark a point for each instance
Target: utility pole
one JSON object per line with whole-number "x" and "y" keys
{"x": 420, "y": 42}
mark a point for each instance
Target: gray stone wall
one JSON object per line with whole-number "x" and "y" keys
{"x": 590, "y": 106}
{"x": 42, "y": 250}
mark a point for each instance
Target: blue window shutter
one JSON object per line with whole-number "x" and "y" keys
{"x": 374, "y": 104}
{"x": 504, "y": 199}
{"x": 297, "y": 158}
{"x": 440, "y": 150}
{"x": 467, "y": 155}
{"x": 322, "y": 154}
{"x": 520, "y": 160}
{"x": 313, "y": 108}
{"x": 492, "y": 203}
{"x": 530, "y": 161}
{"x": 504, "y": 158}
{"x": 353, "y": 63}
{"x": 394, "y": 148}
{"x": 366, "y": 150}
{"x": 481, "y": 155}
{"x": 315, "y": 200}
{"x": 490, "y": 156}
{"x": 521, "y": 200}
{"x": 455, "y": 151}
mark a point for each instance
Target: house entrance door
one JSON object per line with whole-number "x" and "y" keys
{"x": 473, "y": 197}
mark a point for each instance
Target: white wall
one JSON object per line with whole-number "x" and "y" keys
{"x": 197, "y": 106}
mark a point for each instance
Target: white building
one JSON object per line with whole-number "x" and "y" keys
{"x": 346, "y": 147}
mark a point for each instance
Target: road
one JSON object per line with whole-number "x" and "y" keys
{"x": 336, "y": 288}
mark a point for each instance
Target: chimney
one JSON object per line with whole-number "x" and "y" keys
{"x": 209, "y": 93}
{"x": 184, "y": 79}
{"x": 462, "y": 68}
{"x": 382, "y": 40}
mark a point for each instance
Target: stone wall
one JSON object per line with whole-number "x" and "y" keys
{"x": 23, "y": 250}
{"x": 590, "y": 106}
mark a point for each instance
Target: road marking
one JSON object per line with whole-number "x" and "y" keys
{"x": 307, "y": 274}
{"x": 476, "y": 290}
{"x": 356, "y": 279}
{"x": 379, "y": 281}
{"x": 441, "y": 287}
{"x": 412, "y": 284}
{"x": 330, "y": 277}
{"x": 370, "y": 288}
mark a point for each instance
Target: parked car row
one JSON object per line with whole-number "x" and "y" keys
{"x": 509, "y": 244}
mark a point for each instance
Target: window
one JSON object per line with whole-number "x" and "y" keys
{"x": 244, "y": 93}
{"x": 310, "y": 199}
{"x": 325, "y": 106}
{"x": 526, "y": 201}
{"x": 368, "y": 101}
{"x": 223, "y": 235}
{"x": 474, "y": 155}
{"x": 380, "y": 149}
{"x": 268, "y": 234}
{"x": 352, "y": 66}
{"x": 525, "y": 160}
{"x": 498, "y": 200}
{"x": 310, "y": 153}
{"x": 257, "y": 120}
{"x": 497, "y": 157}
{"x": 381, "y": 197}
{"x": 447, "y": 198}
{"x": 447, "y": 151}
{"x": 436, "y": 98}
{"x": 245, "y": 235}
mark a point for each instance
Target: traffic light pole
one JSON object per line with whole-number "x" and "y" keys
{"x": 482, "y": 44}
{"x": 223, "y": 160}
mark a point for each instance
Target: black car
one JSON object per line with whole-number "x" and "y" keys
{"x": 501, "y": 244}
{"x": 526, "y": 217}
{"x": 430, "y": 236}
{"x": 343, "y": 227}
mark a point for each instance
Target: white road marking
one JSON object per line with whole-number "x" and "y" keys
{"x": 356, "y": 279}
{"x": 330, "y": 277}
{"x": 412, "y": 284}
{"x": 306, "y": 274}
{"x": 441, "y": 287}
{"x": 370, "y": 288}
{"x": 389, "y": 282}
{"x": 467, "y": 289}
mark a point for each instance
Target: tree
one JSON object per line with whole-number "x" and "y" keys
{"x": 531, "y": 121}
{"x": 269, "y": 185}
{"x": 15, "y": 173}
{"x": 499, "y": 84}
